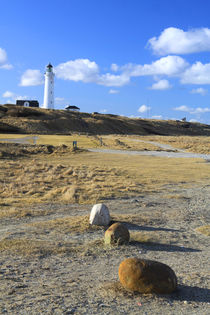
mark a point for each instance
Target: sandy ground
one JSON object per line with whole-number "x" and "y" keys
{"x": 178, "y": 154}
{"x": 86, "y": 282}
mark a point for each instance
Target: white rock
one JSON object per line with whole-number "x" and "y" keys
{"x": 99, "y": 215}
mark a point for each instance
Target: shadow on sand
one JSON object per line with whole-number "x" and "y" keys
{"x": 162, "y": 247}
{"x": 182, "y": 293}
{"x": 191, "y": 294}
{"x": 136, "y": 227}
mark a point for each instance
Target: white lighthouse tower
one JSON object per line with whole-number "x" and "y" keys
{"x": 49, "y": 88}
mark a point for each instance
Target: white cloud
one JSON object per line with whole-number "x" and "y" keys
{"x": 3, "y": 56}
{"x": 133, "y": 116}
{"x": 109, "y": 79}
{"x": 198, "y": 73}
{"x": 13, "y": 96}
{"x": 103, "y": 111}
{"x": 6, "y": 66}
{"x": 161, "y": 85}
{"x": 31, "y": 78}
{"x": 143, "y": 108}
{"x": 157, "y": 117}
{"x": 78, "y": 70}
{"x": 113, "y": 91}
{"x": 200, "y": 110}
{"x": 170, "y": 65}
{"x": 3, "y": 60}
{"x": 193, "y": 120}
{"x": 197, "y": 110}
{"x": 200, "y": 91}
{"x": 8, "y": 94}
{"x": 176, "y": 41}
{"x": 88, "y": 71}
{"x": 114, "y": 67}
{"x": 60, "y": 100}
{"x": 183, "y": 108}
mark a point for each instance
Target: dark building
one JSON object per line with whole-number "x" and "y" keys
{"x": 72, "y": 107}
{"x": 27, "y": 103}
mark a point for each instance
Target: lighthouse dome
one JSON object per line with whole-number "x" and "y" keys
{"x": 49, "y": 67}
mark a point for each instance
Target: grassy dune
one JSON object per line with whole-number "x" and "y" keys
{"x": 19, "y": 119}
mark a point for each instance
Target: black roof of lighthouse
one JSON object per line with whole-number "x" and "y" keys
{"x": 49, "y": 65}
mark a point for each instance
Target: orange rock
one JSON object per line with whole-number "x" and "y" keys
{"x": 117, "y": 233}
{"x": 147, "y": 276}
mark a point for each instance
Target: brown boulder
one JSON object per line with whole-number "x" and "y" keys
{"x": 147, "y": 276}
{"x": 117, "y": 234}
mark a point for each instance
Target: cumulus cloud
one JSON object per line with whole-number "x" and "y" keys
{"x": 161, "y": 85}
{"x": 109, "y": 79}
{"x": 6, "y": 66}
{"x": 157, "y": 117}
{"x": 8, "y": 94}
{"x": 170, "y": 66}
{"x": 193, "y": 120}
{"x": 200, "y": 91}
{"x": 3, "y": 56}
{"x": 183, "y": 108}
{"x": 200, "y": 110}
{"x": 60, "y": 101}
{"x": 114, "y": 67}
{"x": 13, "y": 96}
{"x": 3, "y": 60}
{"x": 133, "y": 116}
{"x": 197, "y": 110}
{"x": 78, "y": 70}
{"x": 143, "y": 109}
{"x": 88, "y": 71}
{"x": 113, "y": 91}
{"x": 31, "y": 78}
{"x": 198, "y": 73}
{"x": 176, "y": 41}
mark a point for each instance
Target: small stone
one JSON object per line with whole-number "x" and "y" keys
{"x": 147, "y": 276}
{"x": 117, "y": 234}
{"x": 99, "y": 215}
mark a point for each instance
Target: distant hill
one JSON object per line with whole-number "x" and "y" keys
{"x": 26, "y": 120}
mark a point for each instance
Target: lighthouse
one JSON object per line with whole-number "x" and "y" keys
{"x": 49, "y": 88}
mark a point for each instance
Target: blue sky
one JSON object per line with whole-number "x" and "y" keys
{"x": 128, "y": 57}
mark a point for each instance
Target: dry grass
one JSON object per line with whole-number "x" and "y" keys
{"x": 143, "y": 237}
{"x": 205, "y": 229}
{"x": 137, "y": 219}
{"x": 126, "y": 143}
{"x": 7, "y": 211}
{"x": 71, "y": 224}
{"x": 196, "y": 144}
{"x": 91, "y": 177}
{"x": 193, "y": 144}
{"x": 83, "y": 141}
{"x": 29, "y": 247}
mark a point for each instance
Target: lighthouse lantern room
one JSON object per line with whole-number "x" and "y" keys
{"x": 49, "y": 88}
